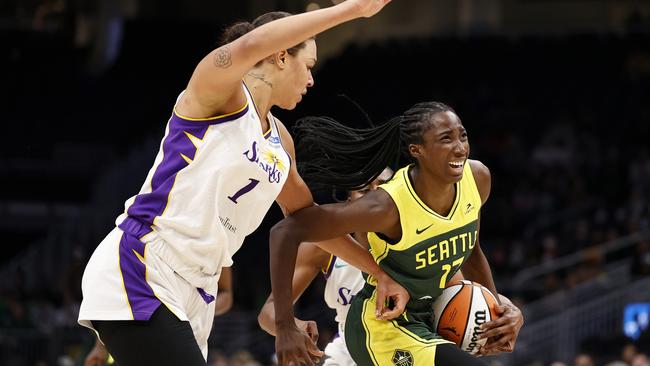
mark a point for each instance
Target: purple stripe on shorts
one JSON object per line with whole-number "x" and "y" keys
{"x": 206, "y": 296}
{"x": 135, "y": 227}
{"x": 149, "y": 205}
{"x": 141, "y": 297}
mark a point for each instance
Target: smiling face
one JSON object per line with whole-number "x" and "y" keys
{"x": 294, "y": 76}
{"x": 444, "y": 149}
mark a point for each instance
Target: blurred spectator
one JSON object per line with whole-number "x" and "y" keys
{"x": 50, "y": 16}
{"x": 628, "y": 352}
{"x": 640, "y": 359}
{"x": 583, "y": 359}
{"x": 13, "y": 312}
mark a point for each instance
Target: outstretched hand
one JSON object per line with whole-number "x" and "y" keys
{"x": 387, "y": 290}
{"x": 368, "y": 8}
{"x": 295, "y": 347}
{"x": 502, "y": 332}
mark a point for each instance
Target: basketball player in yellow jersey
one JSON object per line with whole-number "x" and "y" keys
{"x": 423, "y": 227}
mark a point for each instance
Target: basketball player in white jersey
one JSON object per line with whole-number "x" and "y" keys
{"x": 344, "y": 281}
{"x": 149, "y": 287}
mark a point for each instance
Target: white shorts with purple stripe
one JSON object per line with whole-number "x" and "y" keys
{"x": 337, "y": 353}
{"x": 125, "y": 281}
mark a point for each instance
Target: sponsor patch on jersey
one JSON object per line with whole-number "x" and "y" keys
{"x": 275, "y": 140}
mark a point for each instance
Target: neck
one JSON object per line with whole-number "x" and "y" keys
{"x": 261, "y": 89}
{"x": 435, "y": 193}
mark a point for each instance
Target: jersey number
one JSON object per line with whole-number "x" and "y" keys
{"x": 447, "y": 269}
{"x": 247, "y": 188}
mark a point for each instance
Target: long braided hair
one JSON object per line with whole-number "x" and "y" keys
{"x": 335, "y": 156}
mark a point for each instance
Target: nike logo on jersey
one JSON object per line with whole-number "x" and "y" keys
{"x": 418, "y": 231}
{"x": 468, "y": 208}
{"x": 339, "y": 265}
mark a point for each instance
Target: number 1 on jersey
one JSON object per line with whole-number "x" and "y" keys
{"x": 247, "y": 188}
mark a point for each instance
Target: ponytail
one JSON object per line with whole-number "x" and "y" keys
{"x": 335, "y": 156}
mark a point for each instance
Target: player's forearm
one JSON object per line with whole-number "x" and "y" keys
{"x": 283, "y": 248}
{"x": 348, "y": 250}
{"x": 477, "y": 269}
{"x": 287, "y": 32}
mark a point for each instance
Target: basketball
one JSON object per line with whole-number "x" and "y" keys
{"x": 459, "y": 311}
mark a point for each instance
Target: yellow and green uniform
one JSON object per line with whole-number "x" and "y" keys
{"x": 432, "y": 248}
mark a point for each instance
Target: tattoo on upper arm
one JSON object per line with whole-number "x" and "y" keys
{"x": 222, "y": 58}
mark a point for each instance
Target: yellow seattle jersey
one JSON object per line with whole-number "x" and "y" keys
{"x": 432, "y": 247}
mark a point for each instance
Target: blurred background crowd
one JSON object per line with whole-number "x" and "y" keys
{"x": 555, "y": 96}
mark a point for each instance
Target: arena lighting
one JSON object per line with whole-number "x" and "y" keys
{"x": 636, "y": 319}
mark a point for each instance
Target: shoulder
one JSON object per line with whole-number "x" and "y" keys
{"x": 380, "y": 202}
{"x": 482, "y": 177}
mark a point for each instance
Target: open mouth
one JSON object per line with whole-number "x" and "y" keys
{"x": 457, "y": 164}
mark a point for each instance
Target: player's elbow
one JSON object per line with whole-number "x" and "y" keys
{"x": 264, "y": 320}
{"x": 283, "y": 234}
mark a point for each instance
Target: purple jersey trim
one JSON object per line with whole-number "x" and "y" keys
{"x": 142, "y": 300}
{"x": 178, "y": 151}
{"x": 176, "y": 147}
{"x": 206, "y": 296}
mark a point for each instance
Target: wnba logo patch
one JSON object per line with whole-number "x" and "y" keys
{"x": 402, "y": 358}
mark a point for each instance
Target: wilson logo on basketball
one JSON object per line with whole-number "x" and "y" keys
{"x": 459, "y": 312}
{"x": 479, "y": 318}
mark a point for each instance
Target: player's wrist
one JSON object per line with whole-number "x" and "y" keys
{"x": 285, "y": 323}
{"x": 351, "y": 9}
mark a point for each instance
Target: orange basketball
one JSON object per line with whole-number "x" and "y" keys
{"x": 460, "y": 310}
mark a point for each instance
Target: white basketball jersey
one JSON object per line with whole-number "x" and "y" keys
{"x": 343, "y": 282}
{"x": 211, "y": 184}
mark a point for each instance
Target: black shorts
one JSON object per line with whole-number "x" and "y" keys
{"x": 162, "y": 340}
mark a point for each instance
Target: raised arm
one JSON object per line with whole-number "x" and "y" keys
{"x": 214, "y": 87}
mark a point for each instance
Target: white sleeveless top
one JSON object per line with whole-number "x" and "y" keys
{"x": 211, "y": 184}
{"x": 343, "y": 282}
